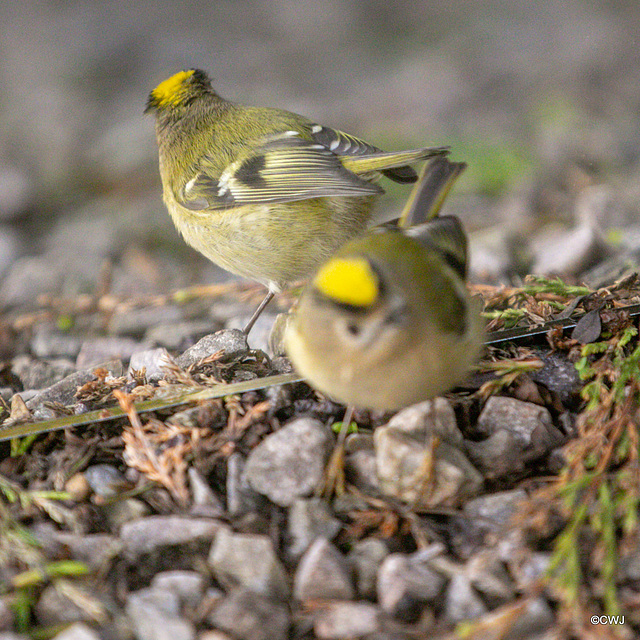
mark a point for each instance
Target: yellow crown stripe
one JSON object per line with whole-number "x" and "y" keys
{"x": 172, "y": 90}
{"x": 348, "y": 281}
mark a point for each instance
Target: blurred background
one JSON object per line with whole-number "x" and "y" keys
{"x": 541, "y": 99}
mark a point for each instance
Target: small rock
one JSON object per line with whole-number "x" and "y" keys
{"x": 290, "y": 463}
{"x": 63, "y": 392}
{"x": 405, "y": 584}
{"x": 16, "y": 190}
{"x": 403, "y": 461}
{"x": 346, "y": 620}
{"x": 309, "y": 519}
{"x": 49, "y": 342}
{"x": 122, "y": 511}
{"x": 361, "y": 470}
{"x": 232, "y": 341}
{"x": 528, "y": 571}
{"x": 241, "y": 498}
{"x": 250, "y": 561}
{"x": 96, "y": 351}
{"x": 26, "y": 279}
{"x": 153, "y": 361}
{"x": 78, "y": 487}
{"x": 214, "y": 635}
{"x": 537, "y": 618}
{"x": 495, "y": 508}
{"x": 322, "y": 574}
{"x": 179, "y": 336}
{"x": 247, "y": 615}
{"x": 77, "y": 631}
{"x": 105, "y": 480}
{"x": 159, "y": 543}
{"x": 155, "y": 615}
{"x": 188, "y": 586}
{"x": 55, "y": 607}
{"x": 489, "y": 577}
{"x": 134, "y": 322}
{"x": 260, "y": 332}
{"x": 205, "y": 501}
{"x": 10, "y": 248}
{"x": 7, "y": 616}
{"x": 517, "y": 433}
{"x": 96, "y": 550}
{"x": 365, "y": 557}
{"x": 462, "y": 602}
{"x": 39, "y": 374}
{"x": 432, "y": 417}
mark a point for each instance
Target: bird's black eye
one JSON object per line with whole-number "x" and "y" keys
{"x": 353, "y": 329}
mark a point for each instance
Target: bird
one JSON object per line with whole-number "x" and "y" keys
{"x": 265, "y": 193}
{"x": 387, "y": 321}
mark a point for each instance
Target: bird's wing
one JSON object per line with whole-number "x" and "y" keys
{"x": 281, "y": 168}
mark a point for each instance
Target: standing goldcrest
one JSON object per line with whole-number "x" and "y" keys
{"x": 388, "y": 321}
{"x": 264, "y": 193}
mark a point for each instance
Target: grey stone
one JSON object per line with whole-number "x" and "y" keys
{"x": 26, "y": 279}
{"x": 537, "y": 617}
{"x": 405, "y": 584}
{"x": 178, "y": 336}
{"x": 346, "y": 620}
{"x": 16, "y": 191}
{"x": 247, "y": 615}
{"x": 63, "y": 392}
{"x": 188, "y": 586}
{"x": 517, "y": 433}
{"x": 77, "y": 631}
{"x": 241, "y": 498}
{"x": 105, "y": 480}
{"x": 48, "y": 342}
{"x": 203, "y": 496}
{"x": 529, "y": 422}
{"x": 120, "y": 512}
{"x": 322, "y": 574}
{"x": 462, "y": 602}
{"x": 290, "y": 463}
{"x": 531, "y": 569}
{"x": 96, "y": 351}
{"x": 40, "y": 374}
{"x": 214, "y": 635}
{"x": 260, "y": 332}
{"x": 96, "y": 550}
{"x": 403, "y": 461}
{"x": 309, "y": 519}
{"x": 7, "y": 616}
{"x": 432, "y": 417}
{"x": 135, "y": 321}
{"x": 362, "y": 471}
{"x": 488, "y": 575}
{"x": 153, "y": 361}
{"x": 498, "y": 455}
{"x": 248, "y": 560}
{"x": 155, "y": 615}
{"x": 155, "y": 535}
{"x": 496, "y": 508}
{"x": 10, "y": 248}
{"x": 55, "y": 607}
{"x": 365, "y": 557}
{"x": 232, "y": 341}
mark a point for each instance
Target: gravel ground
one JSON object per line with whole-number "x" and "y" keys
{"x": 506, "y": 509}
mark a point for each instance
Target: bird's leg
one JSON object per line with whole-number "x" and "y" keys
{"x": 257, "y": 312}
{"x": 333, "y": 481}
